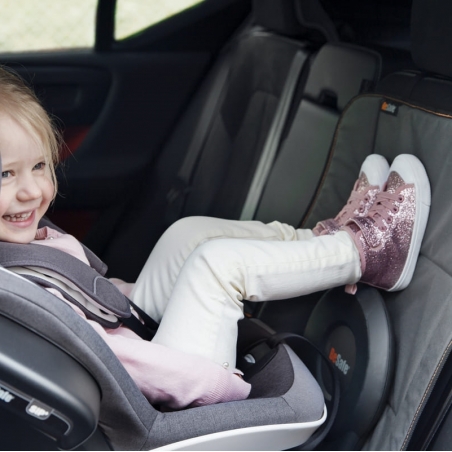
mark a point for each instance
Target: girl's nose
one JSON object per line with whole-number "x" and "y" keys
{"x": 29, "y": 190}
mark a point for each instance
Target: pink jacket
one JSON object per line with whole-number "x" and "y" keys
{"x": 165, "y": 376}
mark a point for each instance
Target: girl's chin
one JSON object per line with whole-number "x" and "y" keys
{"x": 17, "y": 238}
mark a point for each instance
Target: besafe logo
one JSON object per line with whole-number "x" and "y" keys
{"x": 5, "y": 395}
{"x": 389, "y": 107}
{"x": 338, "y": 361}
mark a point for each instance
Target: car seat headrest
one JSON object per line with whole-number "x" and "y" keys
{"x": 431, "y": 35}
{"x": 295, "y": 18}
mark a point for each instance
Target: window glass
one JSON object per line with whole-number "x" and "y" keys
{"x": 133, "y": 16}
{"x": 46, "y": 24}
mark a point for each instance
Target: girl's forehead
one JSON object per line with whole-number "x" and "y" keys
{"x": 25, "y": 153}
{"x": 18, "y": 142}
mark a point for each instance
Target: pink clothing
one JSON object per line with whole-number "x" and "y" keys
{"x": 165, "y": 376}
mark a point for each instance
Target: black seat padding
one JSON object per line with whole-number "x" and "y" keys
{"x": 354, "y": 332}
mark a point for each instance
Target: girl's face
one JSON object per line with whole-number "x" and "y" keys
{"x": 27, "y": 189}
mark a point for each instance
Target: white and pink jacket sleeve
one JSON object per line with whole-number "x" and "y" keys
{"x": 165, "y": 376}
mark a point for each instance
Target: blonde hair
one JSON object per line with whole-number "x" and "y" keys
{"x": 19, "y": 101}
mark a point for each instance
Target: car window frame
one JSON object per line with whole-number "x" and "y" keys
{"x": 105, "y": 25}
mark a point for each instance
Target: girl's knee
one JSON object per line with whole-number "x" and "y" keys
{"x": 192, "y": 225}
{"x": 219, "y": 255}
{"x": 182, "y": 228}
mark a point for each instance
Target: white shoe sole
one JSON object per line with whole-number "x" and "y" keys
{"x": 405, "y": 165}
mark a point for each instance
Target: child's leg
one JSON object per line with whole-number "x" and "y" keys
{"x": 156, "y": 281}
{"x": 206, "y": 302}
{"x": 382, "y": 246}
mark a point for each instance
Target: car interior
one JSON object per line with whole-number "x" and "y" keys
{"x": 247, "y": 110}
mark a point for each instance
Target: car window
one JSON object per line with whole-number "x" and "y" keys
{"x": 28, "y": 25}
{"x": 133, "y": 16}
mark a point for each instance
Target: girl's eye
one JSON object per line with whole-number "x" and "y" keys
{"x": 39, "y": 166}
{"x": 6, "y": 174}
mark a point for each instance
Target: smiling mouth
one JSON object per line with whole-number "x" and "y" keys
{"x": 17, "y": 217}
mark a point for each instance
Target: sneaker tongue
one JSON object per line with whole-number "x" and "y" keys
{"x": 371, "y": 234}
{"x": 394, "y": 182}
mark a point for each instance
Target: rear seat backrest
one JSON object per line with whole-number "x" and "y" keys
{"x": 258, "y": 61}
{"x": 338, "y": 73}
{"x": 239, "y": 129}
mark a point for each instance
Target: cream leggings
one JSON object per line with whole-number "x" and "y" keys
{"x": 202, "y": 269}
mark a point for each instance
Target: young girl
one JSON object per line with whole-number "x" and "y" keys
{"x": 202, "y": 269}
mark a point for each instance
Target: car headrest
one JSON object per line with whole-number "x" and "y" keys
{"x": 295, "y": 18}
{"x": 431, "y": 35}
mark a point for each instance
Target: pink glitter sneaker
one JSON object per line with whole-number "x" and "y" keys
{"x": 372, "y": 177}
{"x": 389, "y": 237}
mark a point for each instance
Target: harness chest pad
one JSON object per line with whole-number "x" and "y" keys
{"x": 70, "y": 271}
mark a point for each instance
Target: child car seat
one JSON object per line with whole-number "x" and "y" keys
{"x": 57, "y": 375}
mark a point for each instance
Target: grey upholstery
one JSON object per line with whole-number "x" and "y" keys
{"x": 421, "y": 124}
{"x": 126, "y": 417}
{"x": 421, "y": 314}
{"x": 338, "y": 73}
{"x": 234, "y": 139}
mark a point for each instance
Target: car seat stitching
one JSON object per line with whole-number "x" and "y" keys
{"x": 426, "y": 394}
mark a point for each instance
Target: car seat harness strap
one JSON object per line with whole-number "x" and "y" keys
{"x": 98, "y": 298}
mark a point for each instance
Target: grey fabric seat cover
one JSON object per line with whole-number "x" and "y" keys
{"x": 421, "y": 314}
{"x": 286, "y": 391}
{"x": 421, "y": 124}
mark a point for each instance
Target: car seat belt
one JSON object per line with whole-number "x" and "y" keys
{"x": 102, "y": 314}
{"x": 273, "y": 139}
{"x": 181, "y": 187}
{"x": 79, "y": 283}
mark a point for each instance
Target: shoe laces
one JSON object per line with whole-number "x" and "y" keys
{"x": 384, "y": 208}
{"x": 355, "y": 202}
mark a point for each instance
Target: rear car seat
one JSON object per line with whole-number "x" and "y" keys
{"x": 257, "y": 63}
